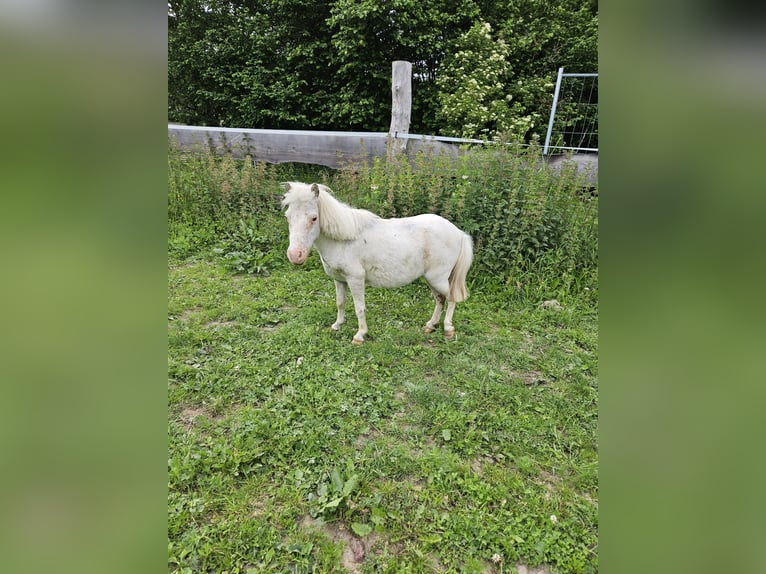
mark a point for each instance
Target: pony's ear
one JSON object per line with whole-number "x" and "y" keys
{"x": 315, "y": 189}
{"x": 281, "y": 197}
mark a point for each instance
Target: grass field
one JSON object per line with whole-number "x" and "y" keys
{"x": 292, "y": 450}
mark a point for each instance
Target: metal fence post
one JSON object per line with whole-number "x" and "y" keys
{"x": 553, "y": 111}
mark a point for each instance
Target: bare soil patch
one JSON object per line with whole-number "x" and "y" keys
{"x": 189, "y": 416}
{"x": 219, "y": 324}
{"x": 355, "y": 549}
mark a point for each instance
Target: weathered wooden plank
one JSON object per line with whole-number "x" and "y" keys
{"x": 586, "y": 163}
{"x": 333, "y": 149}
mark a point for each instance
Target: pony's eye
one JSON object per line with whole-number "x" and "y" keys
{"x": 314, "y": 219}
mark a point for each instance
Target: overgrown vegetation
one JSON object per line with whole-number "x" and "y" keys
{"x": 534, "y": 231}
{"x": 291, "y": 450}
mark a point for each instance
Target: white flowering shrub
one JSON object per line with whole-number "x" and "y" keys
{"x": 473, "y": 100}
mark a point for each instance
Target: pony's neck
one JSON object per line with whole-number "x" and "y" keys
{"x": 339, "y": 221}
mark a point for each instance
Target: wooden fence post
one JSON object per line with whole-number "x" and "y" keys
{"x": 401, "y": 104}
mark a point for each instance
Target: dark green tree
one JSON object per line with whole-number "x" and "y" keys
{"x": 249, "y": 64}
{"x": 326, "y": 64}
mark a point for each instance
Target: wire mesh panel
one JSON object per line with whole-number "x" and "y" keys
{"x": 573, "y": 123}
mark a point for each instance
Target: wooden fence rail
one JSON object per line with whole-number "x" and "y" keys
{"x": 334, "y": 149}
{"x": 331, "y": 149}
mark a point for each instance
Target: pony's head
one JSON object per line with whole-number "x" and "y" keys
{"x": 302, "y": 203}
{"x": 311, "y": 209}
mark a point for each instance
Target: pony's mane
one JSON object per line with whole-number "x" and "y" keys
{"x": 336, "y": 219}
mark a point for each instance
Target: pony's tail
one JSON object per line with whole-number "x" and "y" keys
{"x": 457, "y": 289}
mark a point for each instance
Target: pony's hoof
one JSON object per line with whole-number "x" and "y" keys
{"x": 356, "y": 341}
{"x": 335, "y": 326}
{"x": 429, "y": 329}
{"x": 449, "y": 335}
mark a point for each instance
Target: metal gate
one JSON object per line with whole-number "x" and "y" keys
{"x": 573, "y": 124}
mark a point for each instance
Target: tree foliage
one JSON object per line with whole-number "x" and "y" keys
{"x": 472, "y": 97}
{"x": 326, "y": 64}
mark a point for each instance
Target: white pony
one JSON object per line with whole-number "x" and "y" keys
{"x": 358, "y": 248}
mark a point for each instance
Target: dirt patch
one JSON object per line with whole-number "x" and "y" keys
{"x": 185, "y": 315}
{"x": 190, "y": 414}
{"x": 479, "y": 464}
{"x": 533, "y": 378}
{"x": 364, "y": 438}
{"x": 524, "y": 569}
{"x": 529, "y": 378}
{"x": 258, "y": 506}
{"x": 550, "y": 482}
{"x": 434, "y": 563}
{"x": 355, "y": 549}
{"x": 219, "y": 324}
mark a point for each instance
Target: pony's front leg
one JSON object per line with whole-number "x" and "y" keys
{"x": 340, "y": 301}
{"x": 357, "y": 293}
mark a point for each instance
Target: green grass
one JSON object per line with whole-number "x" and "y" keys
{"x": 292, "y": 450}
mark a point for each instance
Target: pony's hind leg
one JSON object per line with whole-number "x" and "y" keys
{"x": 440, "y": 289}
{"x": 439, "y": 285}
{"x": 449, "y": 330}
{"x": 433, "y": 322}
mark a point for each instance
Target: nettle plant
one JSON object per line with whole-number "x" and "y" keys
{"x": 472, "y": 96}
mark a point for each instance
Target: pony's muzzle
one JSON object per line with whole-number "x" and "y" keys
{"x": 297, "y": 255}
